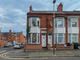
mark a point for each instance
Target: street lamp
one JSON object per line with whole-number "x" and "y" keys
{"x": 54, "y": 48}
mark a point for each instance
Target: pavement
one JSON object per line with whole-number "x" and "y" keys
{"x": 47, "y": 53}
{"x": 10, "y": 53}
{"x": 55, "y": 58}
{"x": 19, "y": 54}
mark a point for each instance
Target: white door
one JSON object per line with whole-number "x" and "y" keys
{"x": 43, "y": 40}
{"x": 50, "y": 40}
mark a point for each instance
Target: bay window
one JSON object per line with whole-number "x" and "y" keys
{"x": 69, "y": 38}
{"x": 34, "y": 38}
{"x": 73, "y": 38}
{"x": 59, "y": 38}
{"x": 35, "y": 22}
{"x": 59, "y": 22}
{"x": 73, "y": 22}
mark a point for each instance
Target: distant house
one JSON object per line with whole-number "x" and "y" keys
{"x": 10, "y": 36}
{"x": 64, "y": 26}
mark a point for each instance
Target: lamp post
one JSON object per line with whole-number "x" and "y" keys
{"x": 53, "y": 41}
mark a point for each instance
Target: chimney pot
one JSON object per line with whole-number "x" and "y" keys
{"x": 60, "y": 7}
{"x": 30, "y": 8}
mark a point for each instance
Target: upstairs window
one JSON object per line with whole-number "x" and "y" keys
{"x": 35, "y": 21}
{"x": 59, "y": 22}
{"x": 73, "y": 22}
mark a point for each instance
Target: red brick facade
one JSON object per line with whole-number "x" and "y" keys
{"x": 46, "y": 18}
{"x": 11, "y": 36}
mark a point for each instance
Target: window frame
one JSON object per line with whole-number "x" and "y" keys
{"x": 57, "y": 19}
{"x": 71, "y": 38}
{"x": 56, "y": 38}
{"x": 73, "y": 20}
{"x": 36, "y": 20}
{"x": 37, "y": 38}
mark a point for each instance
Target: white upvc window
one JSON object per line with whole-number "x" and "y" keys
{"x": 59, "y": 38}
{"x": 69, "y": 38}
{"x": 59, "y": 22}
{"x": 73, "y": 22}
{"x": 34, "y": 38}
{"x": 73, "y": 38}
{"x": 34, "y": 21}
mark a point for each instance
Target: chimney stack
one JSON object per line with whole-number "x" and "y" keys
{"x": 30, "y": 8}
{"x": 60, "y": 7}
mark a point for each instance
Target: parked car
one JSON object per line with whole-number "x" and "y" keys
{"x": 8, "y": 44}
{"x": 18, "y": 46}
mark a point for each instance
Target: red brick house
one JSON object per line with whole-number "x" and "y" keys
{"x": 65, "y": 26}
{"x": 10, "y": 36}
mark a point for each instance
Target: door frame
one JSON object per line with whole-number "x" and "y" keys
{"x": 44, "y": 34}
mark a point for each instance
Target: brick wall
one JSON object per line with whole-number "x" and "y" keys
{"x": 33, "y": 47}
{"x": 2, "y": 43}
{"x": 21, "y": 38}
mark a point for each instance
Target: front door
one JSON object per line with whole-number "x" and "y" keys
{"x": 43, "y": 40}
{"x": 50, "y": 40}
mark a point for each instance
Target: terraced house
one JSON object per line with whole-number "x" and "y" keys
{"x": 52, "y": 28}
{"x": 9, "y": 37}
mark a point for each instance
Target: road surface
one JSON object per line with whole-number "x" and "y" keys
{"x": 5, "y": 51}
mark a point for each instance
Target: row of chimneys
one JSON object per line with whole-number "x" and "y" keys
{"x": 59, "y": 8}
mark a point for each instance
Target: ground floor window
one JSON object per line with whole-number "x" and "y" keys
{"x": 34, "y": 38}
{"x": 73, "y": 38}
{"x": 59, "y": 38}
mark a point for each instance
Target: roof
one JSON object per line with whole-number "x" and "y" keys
{"x": 14, "y": 33}
{"x": 51, "y": 12}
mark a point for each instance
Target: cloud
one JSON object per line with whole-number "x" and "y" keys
{"x": 13, "y": 12}
{"x": 13, "y": 15}
{"x": 48, "y": 5}
{"x": 7, "y": 25}
{"x": 20, "y": 17}
{"x": 18, "y": 11}
{"x": 12, "y": 18}
{"x": 2, "y": 12}
{"x": 75, "y": 5}
{"x": 40, "y": 4}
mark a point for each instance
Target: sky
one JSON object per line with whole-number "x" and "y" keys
{"x": 13, "y": 15}
{"x": 13, "y": 12}
{"x": 68, "y": 5}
